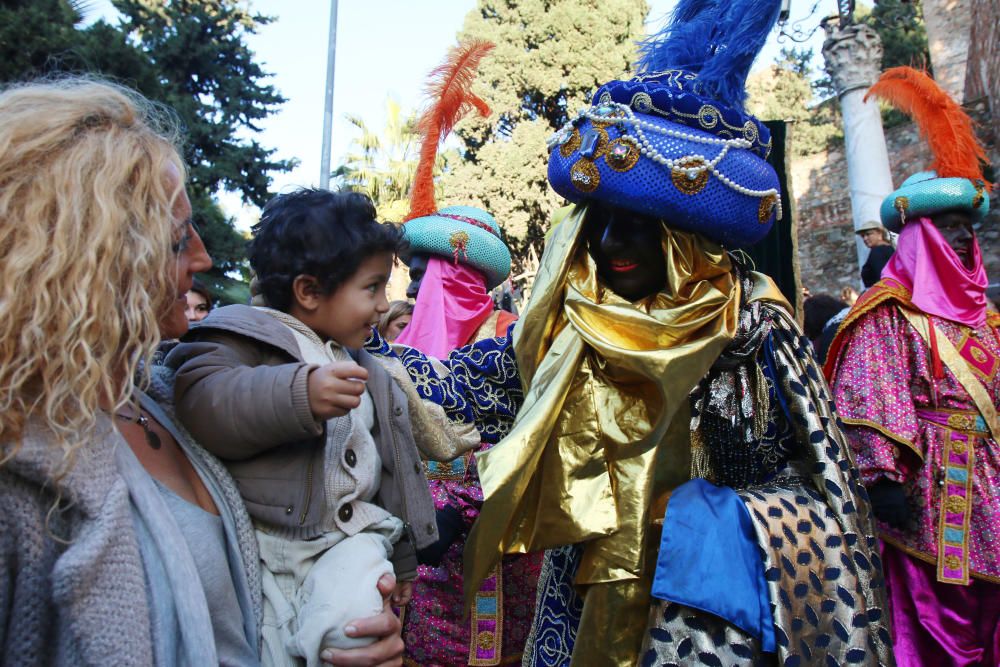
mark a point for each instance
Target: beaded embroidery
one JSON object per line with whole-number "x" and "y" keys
{"x": 707, "y": 118}
{"x": 584, "y": 173}
{"x": 689, "y": 176}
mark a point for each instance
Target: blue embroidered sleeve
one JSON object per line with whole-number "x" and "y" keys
{"x": 480, "y": 385}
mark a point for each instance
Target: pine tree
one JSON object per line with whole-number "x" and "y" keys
{"x": 190, "y": 55}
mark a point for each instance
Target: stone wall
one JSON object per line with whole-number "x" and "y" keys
{"x": 827, "y": 250}
{"x": 948, "y": 32}
{"x": 983, "y": 70}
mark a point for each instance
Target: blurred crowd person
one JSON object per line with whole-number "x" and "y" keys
{"x": 822, "y": 314}
{"x": 395, "y": 319}
{"x": 199, "y": 302}
{"x": 878, "y": 241}
{"x": 849, "y": 295}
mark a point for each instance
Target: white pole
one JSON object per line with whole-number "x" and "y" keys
{"x": 331, "y": 58}
{"x": 853, "y": 57}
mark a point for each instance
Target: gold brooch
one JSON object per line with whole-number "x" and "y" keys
{"x": 689, "y": 175}
{"x": 953, "y": 562}
{"x": 960, "y": 422}
{"x": 584, "y": 175}
{"x": 978, "y": 200}
{"x": 766, "y": 206}
{"x": 622, "y": 154}
{"x": 955, "y": 504}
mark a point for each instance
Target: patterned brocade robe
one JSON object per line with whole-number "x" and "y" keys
{"x": 911, "y": 423}
{"x": 435, "y": 629}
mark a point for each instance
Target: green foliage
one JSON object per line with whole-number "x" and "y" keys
{"x": 382, "y": 164}
{"x": 784, "y": 92}
{"x": 904, "y": 42}
{"x": 900, "y": 24}
{"x": 188, "y": 54}
{"x": 550, "y": 56}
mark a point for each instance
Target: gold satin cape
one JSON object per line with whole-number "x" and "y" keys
{"x": 589, "y": 454}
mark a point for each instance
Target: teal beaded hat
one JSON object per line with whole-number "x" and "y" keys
{"x": 464, "y": 234}
{"x": 461, "y": 233}
{"x": 955, "y": 180}
{"x": 675, "y": 142}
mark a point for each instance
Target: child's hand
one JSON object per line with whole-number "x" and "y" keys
{"x": 335, "y": 389}
{"x": 402, "y": 593}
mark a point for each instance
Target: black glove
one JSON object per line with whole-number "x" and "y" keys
{"x": 889, "y": 503}
{"x": 450, "y": 524}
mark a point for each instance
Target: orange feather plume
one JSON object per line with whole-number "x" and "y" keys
{"x": 947, "y": 128}
{"x": 449, "y": 91}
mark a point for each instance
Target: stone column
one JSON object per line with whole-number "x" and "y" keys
{"x": 853, "y": 59}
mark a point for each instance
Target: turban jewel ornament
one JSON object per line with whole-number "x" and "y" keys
{"x": 675, "y": 141}
{"x": 955, "y": 179}
{"x": 462, "y": 233}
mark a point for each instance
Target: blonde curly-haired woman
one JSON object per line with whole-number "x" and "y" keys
{"x": 121, "y": 540}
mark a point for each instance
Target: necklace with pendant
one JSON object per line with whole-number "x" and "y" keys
{"x": 152, "y": 439}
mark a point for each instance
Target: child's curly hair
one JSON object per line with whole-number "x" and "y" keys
{"x": 317, "y": 233}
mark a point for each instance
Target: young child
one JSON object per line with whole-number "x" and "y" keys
{"x": 315, "y": 431}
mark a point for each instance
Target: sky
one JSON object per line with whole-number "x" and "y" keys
{"x": 384, "y": 48}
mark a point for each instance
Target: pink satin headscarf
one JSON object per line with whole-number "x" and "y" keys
{"x": 451, "y": 305}
{"x": 926, "y": 265}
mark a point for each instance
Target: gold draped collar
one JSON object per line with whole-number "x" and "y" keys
{"x": 604, "y": 378}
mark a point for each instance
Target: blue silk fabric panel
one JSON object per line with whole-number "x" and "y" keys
{"x": 709, "y": 559}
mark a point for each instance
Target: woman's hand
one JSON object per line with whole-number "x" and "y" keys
{"x": 387, "y": 651}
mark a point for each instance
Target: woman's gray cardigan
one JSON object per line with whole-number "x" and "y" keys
{"x": 73, "y": 586}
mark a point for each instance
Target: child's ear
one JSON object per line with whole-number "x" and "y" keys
{"x": 306, "y": 292}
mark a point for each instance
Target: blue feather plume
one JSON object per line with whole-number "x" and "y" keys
{"x": 716, "y": 39}
{"x": 682, "y": 43}
{"x": 740, "y": 35}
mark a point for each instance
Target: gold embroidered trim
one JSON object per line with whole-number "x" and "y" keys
{"x": 927, "y": 558}
{"x": 886, "y": 432}
{"x": 566, "y": 148}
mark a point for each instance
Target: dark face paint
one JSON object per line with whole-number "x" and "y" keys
{"x": 956, "y": 228}
{"x": 627, "y": 249}
{"x": 418, "y": 267}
